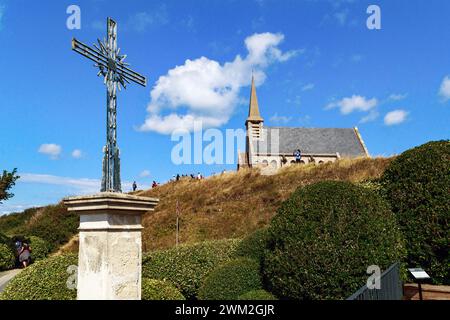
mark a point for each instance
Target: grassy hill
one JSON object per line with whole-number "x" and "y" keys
{"x": 234, "y": 204}
{"x": 230, "y": 205}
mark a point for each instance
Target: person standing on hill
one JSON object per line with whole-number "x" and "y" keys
{"x": 134, "y": 186}
{"x": 298, "y": 156}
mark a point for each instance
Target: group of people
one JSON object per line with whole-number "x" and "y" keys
{"x": 23, "y": 253}
{"x": 177, "y": 177}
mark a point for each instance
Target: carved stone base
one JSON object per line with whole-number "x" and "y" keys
{"x": 110, "y": 248}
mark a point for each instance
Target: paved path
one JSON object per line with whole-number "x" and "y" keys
{"x": 6, "y": 276}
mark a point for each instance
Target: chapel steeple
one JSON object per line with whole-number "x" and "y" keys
{"x": 253, "y": 111}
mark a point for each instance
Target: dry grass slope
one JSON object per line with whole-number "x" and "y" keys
{"x": 234, "y": 204}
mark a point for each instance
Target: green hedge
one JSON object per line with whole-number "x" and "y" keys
{"x": 253, "y": 245}
{"x": 231, "y": 280}
{"x": 159, "y": 290}
{"x": 43, "y": 280}
{"x": 39, "y": 248}
{"x": 187, "y": 266}
{"x": 417, "y": 185}
{"x": 7, "y": 257}
{"x": 260, "y": 294}
{"x": 323, "y": 239}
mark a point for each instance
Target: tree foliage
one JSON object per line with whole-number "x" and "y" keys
{"x": 7, "y": 181}
{"x": 417, "y": 185}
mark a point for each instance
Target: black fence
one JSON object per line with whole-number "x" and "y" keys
{"x": 391, "y": 287}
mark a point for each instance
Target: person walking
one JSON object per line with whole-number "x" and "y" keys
{"x": 25, "y": 255}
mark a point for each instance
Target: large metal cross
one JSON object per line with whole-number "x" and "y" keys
{"x": 116, "y": 74}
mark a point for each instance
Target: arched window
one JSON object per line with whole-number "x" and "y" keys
{"x": 265, "y": 163}
{"x": 273, "y": 164}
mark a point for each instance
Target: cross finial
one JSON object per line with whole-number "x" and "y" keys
{"x": 116, "y": 73}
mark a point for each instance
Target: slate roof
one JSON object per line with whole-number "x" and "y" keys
{"x": 311, "y": 141}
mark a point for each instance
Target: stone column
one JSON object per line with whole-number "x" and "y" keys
{"x": 110, "y": 246}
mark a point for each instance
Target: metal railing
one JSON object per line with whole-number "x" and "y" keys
{"x": 391, "y": 287}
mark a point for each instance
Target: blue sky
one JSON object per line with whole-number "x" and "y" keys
{"x": 316, "y": 64}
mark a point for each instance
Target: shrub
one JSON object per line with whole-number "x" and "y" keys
{"x": 253, "y": 245}
{"x": 260, "y": 294}
{"x": 186, "y": 266}
{"x": 7, "y": 257}
{"x": 231, "y": 280}
{"x": 39, "y": 248}
{"x": 159, "y": 290}
{"x": 15, "y": 223}
{"x": 43, "y": 280}
{"x": 417, "y": 185}
{"x": 323, "y": 239}
{"x": 55, "y": 225}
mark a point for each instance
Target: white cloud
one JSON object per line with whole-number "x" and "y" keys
{"x": 208, "y": 91}
{"x": 50, "y": 149}
{"x": 308, "y": 86}
{"x": 353, "y": 103}
{"x": 444, "y": 90}
{"x": 280, "y": 119}
{"x": 141, "y": 21}
{"x": 397, "y": 96}
{"x": 77, "y": 154}
{"x": 78, "y": 185}
{"x": 144, "y": 174}
{"x": 84, "y": 185}
{"x": 6, "y": 208}
{"x": 371, "y": 116}
{"x": 395, "y": 117}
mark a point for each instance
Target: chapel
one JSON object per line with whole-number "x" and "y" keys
{"x": 271, "y": 148}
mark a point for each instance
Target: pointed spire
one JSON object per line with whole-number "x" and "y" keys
{"x": 253, "y": 112}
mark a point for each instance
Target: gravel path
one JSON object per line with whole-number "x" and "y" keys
{"x": 6, "y": 276}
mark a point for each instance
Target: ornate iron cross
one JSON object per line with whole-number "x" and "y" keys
{"x": 116, "y": 74}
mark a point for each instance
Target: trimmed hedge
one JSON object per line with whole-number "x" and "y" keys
{"x": 323, "y": 239}
{"x": 186, "y": 266}
{"x": 44, "y": 280}
{"x": 39, "y": 248}
{"x": 7, "y": 258}
{"x": 417, "y": 185}
{"x": 231, "y": 280}
{"x": 260, "y": 294}
{"x": 159, "y": 290}
{"x": 253, "y": 245}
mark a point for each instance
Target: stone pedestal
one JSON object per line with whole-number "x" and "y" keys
{"x": 110, "y": 248}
